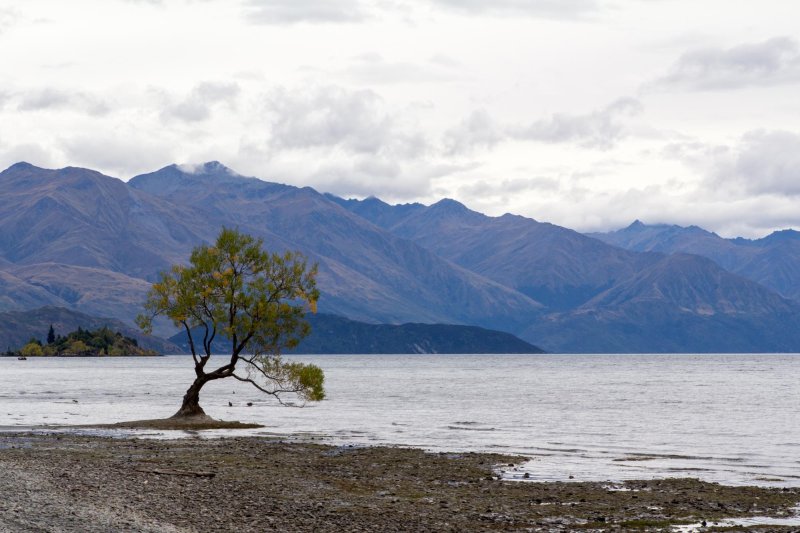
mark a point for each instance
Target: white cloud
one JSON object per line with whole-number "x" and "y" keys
{"x": 8, "y": 18}
{"x": 373, "y": 68}
{"x": 28, "y": 152}
{"x": 295, "y": 11}
{"x": 771, "y": 62}
{"x": 533, "y": 8}
{"x": 121, "y": 154}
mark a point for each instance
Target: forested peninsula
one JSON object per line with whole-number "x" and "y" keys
{"x": 82, "y": 343}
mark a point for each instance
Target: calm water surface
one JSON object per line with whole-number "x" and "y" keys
{"x": 727, "y": 418}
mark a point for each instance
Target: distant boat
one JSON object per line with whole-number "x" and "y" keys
{"x": 22, "y": 358}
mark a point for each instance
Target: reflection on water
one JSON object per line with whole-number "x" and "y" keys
{"x": 727, "y": 418}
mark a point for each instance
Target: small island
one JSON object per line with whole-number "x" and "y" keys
{"x": 101, "y": 342}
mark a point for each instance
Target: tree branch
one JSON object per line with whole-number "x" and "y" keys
{"x": 275, "y": 393}
{"x": 191, "y": 342}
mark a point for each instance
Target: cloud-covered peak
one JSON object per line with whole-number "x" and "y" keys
{"x": 209, "y": 168}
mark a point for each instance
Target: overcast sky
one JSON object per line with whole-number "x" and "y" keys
{"x": 584, "y": 113}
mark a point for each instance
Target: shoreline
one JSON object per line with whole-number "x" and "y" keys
{"x": 92, "y": 483}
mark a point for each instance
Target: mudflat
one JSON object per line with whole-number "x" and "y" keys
{"x": 66, "y": 482}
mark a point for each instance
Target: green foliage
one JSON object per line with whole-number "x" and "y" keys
{"x": 51, "y": 335}
{"x": 77, "y": 347}
{"x": 238, "y": 294}
{"x": 34, "y": 340}
{"x": 32, "y": 349}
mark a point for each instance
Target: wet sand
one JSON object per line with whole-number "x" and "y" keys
{"x": 52, "y": 482}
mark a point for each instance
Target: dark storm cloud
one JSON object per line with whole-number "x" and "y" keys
{"x": 772, "y": 62}
{"x": 295, "y": 11}
{"x": 533, "y": 8}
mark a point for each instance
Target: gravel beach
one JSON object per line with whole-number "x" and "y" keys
{"x": 64, "y": 482}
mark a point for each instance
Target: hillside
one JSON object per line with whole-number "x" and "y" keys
{"x": 331, "y": 334}
{"x": 683, "y": 303}
{"x": 773, "y": 261}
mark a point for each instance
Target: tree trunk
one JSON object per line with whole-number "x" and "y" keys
{"x": 191, "y": 400}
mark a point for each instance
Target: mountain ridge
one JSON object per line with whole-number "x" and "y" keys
{"x": 772, "y": 260}
{"x": 77, "y": 238}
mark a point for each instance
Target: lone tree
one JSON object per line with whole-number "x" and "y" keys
{"x": 249, "y": 299}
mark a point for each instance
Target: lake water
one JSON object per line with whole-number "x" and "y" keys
{"x": 733, "y": 419}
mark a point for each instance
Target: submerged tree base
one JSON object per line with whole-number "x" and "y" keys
{"x": 200, "y": 422}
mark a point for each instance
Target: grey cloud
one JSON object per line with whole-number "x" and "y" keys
{"x": 476, "y": 131}
{"x": 49, "y": 99}
{"x": 333, "y": 117}
{"x": 772, "y": 62}
{"x": 764, "y": 162}
{"x": 761, "y": 163}
{"x": 599, "y": 129}
{"x": 295, "y": 11}
{"x": 556, "y": 9}
{"x": 198, "y": 104}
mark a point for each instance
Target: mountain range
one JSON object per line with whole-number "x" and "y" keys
{"x": 78, "y": 239}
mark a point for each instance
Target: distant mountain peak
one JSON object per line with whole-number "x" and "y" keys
{"x": 781, "y": 236}
{"x": 450, "y": 205}
{"x": 22, "y": 165}
{"x": 636, "y": 225}
{"x": 372, "y": 199}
